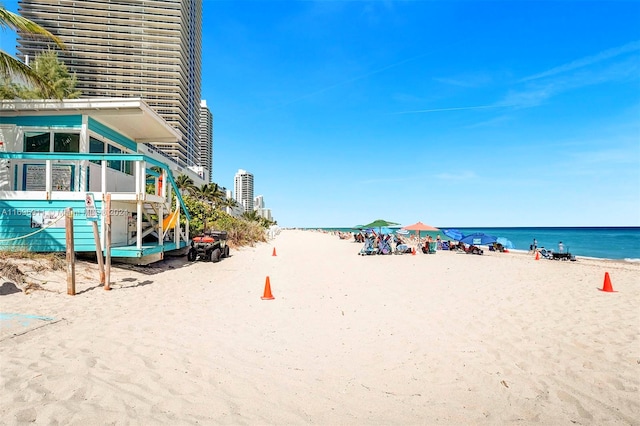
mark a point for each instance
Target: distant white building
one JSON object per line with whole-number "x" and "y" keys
{"x": 200, "y": 171}
{"x": 258, "y": 202}
{"x": 266, "y": 213}
{"x": 243, "y": 189}
{"x": 260, "y": 208}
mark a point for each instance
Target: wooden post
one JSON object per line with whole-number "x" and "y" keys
{"x": 71, "y": 258}
{"x": 107, "y": 225}
{"x": 96, "y": 236}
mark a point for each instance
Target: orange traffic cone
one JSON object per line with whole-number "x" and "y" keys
{"x": 607, "y": 284}
{"x": 413, "y": 251}
{"x": 537, "y": 255}
{"x": 267, "y": 291}
{"x": 274, "y": 252}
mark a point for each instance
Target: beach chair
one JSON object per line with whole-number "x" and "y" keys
{"x": 546, "y": 254}
{"x": 368, "y": 248}
{"x": 433, "y": 245}
{"x": 384, "y": 246}
{"x": 402, "y": 249}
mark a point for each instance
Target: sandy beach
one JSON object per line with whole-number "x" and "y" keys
{"x": 441, "y": 339}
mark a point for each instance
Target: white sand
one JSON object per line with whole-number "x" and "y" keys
{"x": 349, "y": 340}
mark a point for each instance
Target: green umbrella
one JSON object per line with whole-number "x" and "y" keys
{"x": 379, "y": 223}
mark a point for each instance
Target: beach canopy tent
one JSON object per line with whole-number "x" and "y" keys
{"x": 419, "y": 226}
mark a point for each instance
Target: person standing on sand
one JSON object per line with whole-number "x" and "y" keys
{"x": 560, "y": 247}
{"x": 534, "y": 246}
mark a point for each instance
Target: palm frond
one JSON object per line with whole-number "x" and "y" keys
{"x": 13, "y": 21}
{"x": 12, "y": 67}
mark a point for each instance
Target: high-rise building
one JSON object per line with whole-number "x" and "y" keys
{"x": 205, "y": 154}
{"x": 243, "y": 189}
{"x": 150, "y": 49}
{"x": 258, "y": 202}
{"x": 260, "y": 208}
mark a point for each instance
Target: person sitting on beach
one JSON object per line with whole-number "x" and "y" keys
{"x": 475, "y": 250}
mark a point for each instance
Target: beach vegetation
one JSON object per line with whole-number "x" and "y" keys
{"x": 38, "y": 262}
{"x": 207, "y": 205}
{"x": 51, "y": 69}
{"x": 206, "y": 216}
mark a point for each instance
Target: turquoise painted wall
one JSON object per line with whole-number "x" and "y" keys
{"x": 16, "y": 219}
{"x": 112, "y": 135}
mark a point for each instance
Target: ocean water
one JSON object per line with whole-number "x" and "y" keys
{"x": 622, "y": 243}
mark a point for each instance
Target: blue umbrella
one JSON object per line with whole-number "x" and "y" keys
{"x": 505, "y": 243}
{"x": 454, "y": 234}
{"x": 478, "y": 238}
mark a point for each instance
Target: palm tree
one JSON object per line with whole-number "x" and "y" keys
{"x": 228, "y": 202}
{"x": 185, "y": 184}
{"x": 252, "y": 216}
{"x": 217, "y": 195}
{"x": 204, "y": 192}
{"x": 12, "y": 67}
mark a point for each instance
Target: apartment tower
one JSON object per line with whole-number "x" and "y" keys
{"x": 149, "y": 49}
{"x": 243, "y": 189}
{"x": 205, "y": 152}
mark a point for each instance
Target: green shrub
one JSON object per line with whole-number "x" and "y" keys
{"x": 240, "y": 231}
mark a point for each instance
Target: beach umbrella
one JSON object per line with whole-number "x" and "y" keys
{"x": 419, "y": 226}
{"x": 454, "y": 234}
{"x": 379, "y": 223}
{"x": 505, "y": 243}
{"x": 478, "y": 238}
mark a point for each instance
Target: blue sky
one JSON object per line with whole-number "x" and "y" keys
{"x": 454, "y": 113}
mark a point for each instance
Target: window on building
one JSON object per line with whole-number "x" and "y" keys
{"x": 127, "y": 167}
{"x": 114, "y": 164}
{"x": 66, "y": 142}
{"x": 96, "y": 147}
{"x": 37, "y": 142}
